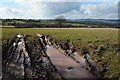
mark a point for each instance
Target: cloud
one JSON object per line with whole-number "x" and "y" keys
{"x": 65, "y": 0}
{"x": 36, "y": 9}
{"x": 27, "y": 9}
{"x": 100, "y": 10}
{"x": 56, "y": 8}
{"x": 5, "y": 12}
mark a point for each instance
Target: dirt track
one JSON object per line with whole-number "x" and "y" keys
{"x": 30, "y": 59}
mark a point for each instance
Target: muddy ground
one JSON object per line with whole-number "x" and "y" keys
{"x": 36, "y": 65}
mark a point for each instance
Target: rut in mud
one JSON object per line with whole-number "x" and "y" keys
{"x": 27, "y": 59}
{"x": 30, "y": 57}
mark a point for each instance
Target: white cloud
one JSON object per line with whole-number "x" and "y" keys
{"x": 100, "y": 10}
{"x": 5, "y": 12}
{"x": 28, "y": 9}
{"x": 37, "y": 9}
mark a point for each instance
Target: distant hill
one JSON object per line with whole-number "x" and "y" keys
{"x": 112, "y": 22}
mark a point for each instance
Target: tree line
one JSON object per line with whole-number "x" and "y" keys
{"x": 59, "y": 22}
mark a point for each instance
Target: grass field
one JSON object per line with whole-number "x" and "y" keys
{"x": 101, "y": 43}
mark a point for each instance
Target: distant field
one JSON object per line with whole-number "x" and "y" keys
{"x": 102, "y": 43}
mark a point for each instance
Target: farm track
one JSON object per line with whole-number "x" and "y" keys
{"x": 24, "y": 59}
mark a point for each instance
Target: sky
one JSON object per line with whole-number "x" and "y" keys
{"x": 50, "y": 9}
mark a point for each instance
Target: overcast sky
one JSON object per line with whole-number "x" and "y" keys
{"x": 39, "y": 9}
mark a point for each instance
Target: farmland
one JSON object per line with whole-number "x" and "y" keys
{"x": 101, "y": 43}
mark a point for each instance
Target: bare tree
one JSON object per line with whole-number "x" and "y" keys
{"x": 60, "y": 19}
